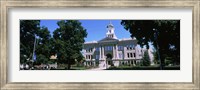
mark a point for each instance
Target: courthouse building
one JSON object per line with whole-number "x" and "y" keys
{"x": 111, "y": 51}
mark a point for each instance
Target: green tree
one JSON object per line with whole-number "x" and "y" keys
{"x": 43, "y": 46}
{"x": 41, "y": 59}
{"x": 164, "y": 34}
{"x": 28, "y": 30}
{"x": 146, "y": 59}
{"x": 155, "y": 57}
{"x": 68, "y": 41}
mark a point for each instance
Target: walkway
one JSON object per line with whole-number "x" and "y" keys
{"x": 96, "y": 69}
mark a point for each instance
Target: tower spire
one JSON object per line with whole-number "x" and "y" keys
{"x": 110, "y": 31}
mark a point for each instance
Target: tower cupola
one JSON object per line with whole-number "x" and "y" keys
{"x": 110, "y": 31}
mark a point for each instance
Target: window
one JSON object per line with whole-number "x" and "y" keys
{"x": 131, "y": 54}
{"x": 120, "y": 47}
{"x": 134, "y": 54}
{"x": 128, "y": 55}
{"x": 107, "y": 48}
{"x": 97, "y": 56}
{"x": 91, "y": 56}
{"x": 97, "y": 49}
{"x": 130, "y": 47}
{"x": 87, "y": 57}
{"x": 91, "y": 50}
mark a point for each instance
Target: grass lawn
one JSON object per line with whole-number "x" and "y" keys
{"x": 144, "y": 68}
{"x": 73, "y": 67}
{"x": 124, "y": 67}
{"x": 79, "y": 68}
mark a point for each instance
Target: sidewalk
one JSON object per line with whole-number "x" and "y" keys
{"x": 96, "y": 69}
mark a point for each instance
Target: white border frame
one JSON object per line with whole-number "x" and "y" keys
{"x": 183, "y": 75}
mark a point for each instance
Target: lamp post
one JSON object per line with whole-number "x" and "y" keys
{"x": 157, "y": 47}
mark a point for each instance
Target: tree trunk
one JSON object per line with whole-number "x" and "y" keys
{"x": 162, "y": 60}
{"x": 69, "y": 65}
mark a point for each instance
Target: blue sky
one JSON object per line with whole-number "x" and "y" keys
{"x": 96, "y": 29}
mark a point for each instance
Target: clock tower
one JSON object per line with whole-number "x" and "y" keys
{"x": 110, "y": 31}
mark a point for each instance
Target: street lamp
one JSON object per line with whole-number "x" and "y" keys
{"x": 157, "y": 46}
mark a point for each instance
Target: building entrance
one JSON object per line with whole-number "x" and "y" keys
{"x": 109, "y": 59}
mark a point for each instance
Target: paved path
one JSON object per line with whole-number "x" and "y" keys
{"x": 96, "y": 69}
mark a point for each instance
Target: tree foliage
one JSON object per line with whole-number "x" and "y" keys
{"x": 43, "y": 46}
{"x": 155, "y": 57}
{"x": 28, "y": 29}
{"x": 146, "y": 59}
{"x": 68, "y": 41}
{"x": 41, "y": 59}
{"x": 164, "y": 33}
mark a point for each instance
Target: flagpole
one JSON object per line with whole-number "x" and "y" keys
{"x": 34, "y": 48}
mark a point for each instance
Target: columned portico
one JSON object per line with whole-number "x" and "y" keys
{"x": 117, "y": 55}
{"x": 113, "y": 52}
{"x": 100, "y": 55}
{"x": 103, "y": 55}
{"x": 102, "y": 60}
